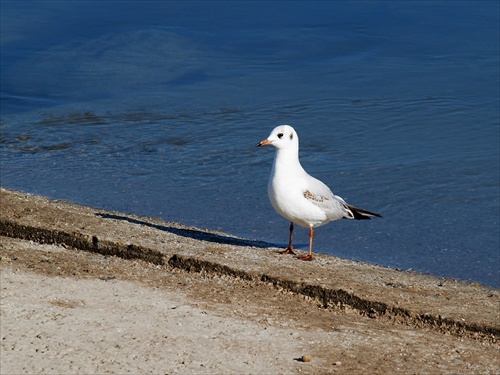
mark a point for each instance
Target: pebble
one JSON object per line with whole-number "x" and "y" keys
{"x": 305, "y": 358}
{"x": 337, "y": 363}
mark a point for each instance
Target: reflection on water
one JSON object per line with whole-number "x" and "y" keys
{"x": 155, "y": 108}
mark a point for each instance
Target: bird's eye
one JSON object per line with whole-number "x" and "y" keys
{"x": 280, "y": 135}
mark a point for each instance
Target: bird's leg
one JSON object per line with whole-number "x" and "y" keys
{"x": 289, "y": 249}
{"x": 310, "y": 255}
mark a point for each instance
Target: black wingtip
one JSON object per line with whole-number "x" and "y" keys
{"x": 360, "y": 214}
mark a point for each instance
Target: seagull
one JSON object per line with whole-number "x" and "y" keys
{"x": 299, "y": 197}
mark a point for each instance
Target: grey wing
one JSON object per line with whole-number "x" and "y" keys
{"x": 334, "y": 206}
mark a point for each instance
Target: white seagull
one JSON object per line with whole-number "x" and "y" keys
{"x": 299, "y": 197}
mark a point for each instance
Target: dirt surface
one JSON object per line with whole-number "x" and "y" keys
{"x": 147, "y": 296}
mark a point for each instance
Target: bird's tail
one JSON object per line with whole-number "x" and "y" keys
{"x": 360, "y": 214}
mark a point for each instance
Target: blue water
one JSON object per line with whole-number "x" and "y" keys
{"x": 155, "y": 108}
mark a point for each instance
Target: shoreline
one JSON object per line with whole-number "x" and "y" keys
{"x": 331, "y": 289}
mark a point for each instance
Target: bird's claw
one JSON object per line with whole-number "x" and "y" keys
{"x": 305, "y": 257}
{"x": 287, "y": 251}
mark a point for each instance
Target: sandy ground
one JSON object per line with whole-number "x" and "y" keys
{"x": 64, "y": 310}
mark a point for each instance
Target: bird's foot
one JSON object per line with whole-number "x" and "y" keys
{"x": 287, "y": 251}
{"x": 305, "y": 257}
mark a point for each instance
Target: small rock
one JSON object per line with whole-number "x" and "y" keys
{"x": 337, "y": 363}
{"x": 305, "y": 358}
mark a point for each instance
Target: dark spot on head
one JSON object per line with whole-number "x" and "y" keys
{"x": 291, "y": 135}
{"x": 280, "y": 135}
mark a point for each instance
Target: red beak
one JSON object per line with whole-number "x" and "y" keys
{"x": 264, "y": 142}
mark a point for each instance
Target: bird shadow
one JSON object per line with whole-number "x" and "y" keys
{"x": 192, "y": 233}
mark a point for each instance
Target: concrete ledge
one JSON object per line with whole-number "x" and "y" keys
{"x": 403, "y": 298}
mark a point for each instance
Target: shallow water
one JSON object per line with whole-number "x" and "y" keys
{"x": 155, "y": 108}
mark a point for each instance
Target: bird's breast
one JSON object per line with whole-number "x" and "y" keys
{"x": 287, "y": 198}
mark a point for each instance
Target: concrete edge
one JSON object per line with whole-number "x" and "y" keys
{"x": 328, "y": 298}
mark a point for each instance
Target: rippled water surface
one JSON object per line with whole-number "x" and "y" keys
{"x": 155, "y": 108}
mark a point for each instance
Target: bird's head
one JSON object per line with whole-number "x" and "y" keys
{"x": 283, "y": 136}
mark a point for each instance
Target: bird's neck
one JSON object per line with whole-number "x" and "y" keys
{"x": 286, "y": 160}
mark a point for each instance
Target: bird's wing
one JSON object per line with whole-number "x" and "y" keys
{"x": 321, "y": 196}
{"x": 333, "y": 206}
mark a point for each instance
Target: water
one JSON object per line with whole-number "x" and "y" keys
{"x": 155, "y": 108}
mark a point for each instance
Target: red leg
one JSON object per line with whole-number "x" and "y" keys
{"x": 289, "y": 249}
{"x": 310, "y": 255}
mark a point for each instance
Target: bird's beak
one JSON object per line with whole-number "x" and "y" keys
{"x": 264, "y": 142}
